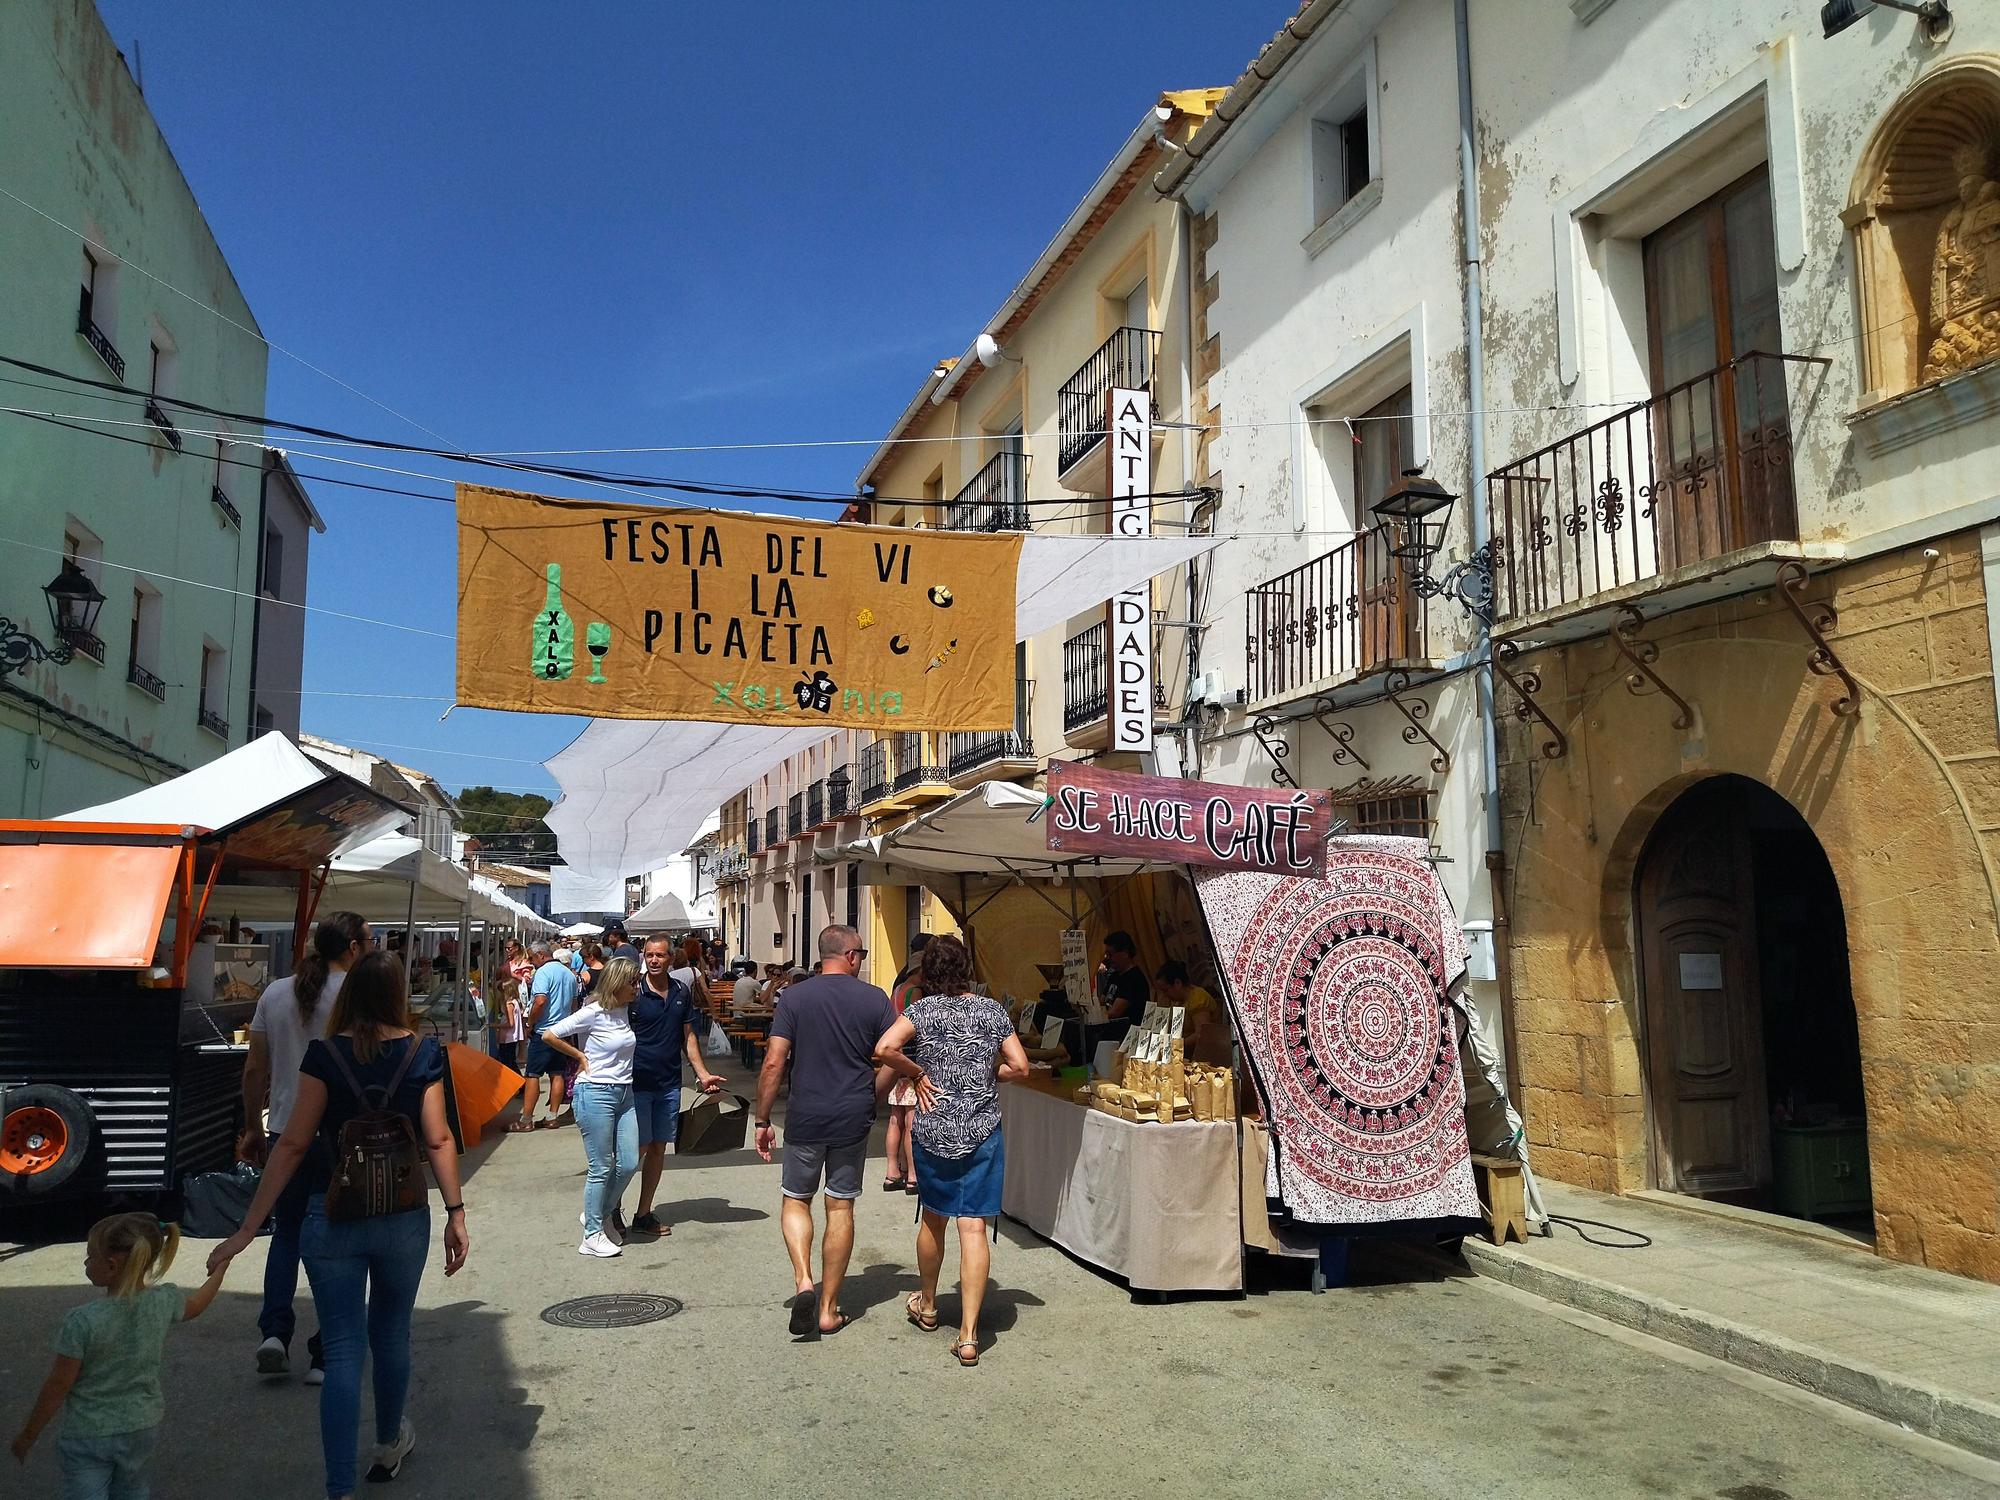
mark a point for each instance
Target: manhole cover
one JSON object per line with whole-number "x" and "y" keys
{"x": 613, "y": 1310}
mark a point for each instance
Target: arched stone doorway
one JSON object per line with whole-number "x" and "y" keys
{"x": 1751, "y": 1045}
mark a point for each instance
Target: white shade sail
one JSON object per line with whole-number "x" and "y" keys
{"x": 635, "y": 793}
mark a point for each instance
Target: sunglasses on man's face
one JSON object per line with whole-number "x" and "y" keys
{"x": 855, "y": 953}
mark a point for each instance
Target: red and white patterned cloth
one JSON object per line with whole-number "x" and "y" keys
{"x": 1341, "y": 993}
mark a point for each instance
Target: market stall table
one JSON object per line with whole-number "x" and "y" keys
{"x": 1155, "y": 1204}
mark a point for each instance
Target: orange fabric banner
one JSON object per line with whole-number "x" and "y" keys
{"x": 641, "y": 612}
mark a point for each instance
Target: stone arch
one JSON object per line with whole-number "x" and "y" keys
{"x": 1908, "y": 862}
{"x": 1924, "y": 208}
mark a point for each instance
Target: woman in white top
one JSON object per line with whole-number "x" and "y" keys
{"x": 603, "y": 1100}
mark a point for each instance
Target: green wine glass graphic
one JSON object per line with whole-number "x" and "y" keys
{"x": 597, "y": 641}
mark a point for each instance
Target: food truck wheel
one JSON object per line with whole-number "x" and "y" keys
{"x": 43, "y": 1139}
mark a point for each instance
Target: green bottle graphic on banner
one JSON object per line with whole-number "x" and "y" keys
{"x": 555, "y": 636}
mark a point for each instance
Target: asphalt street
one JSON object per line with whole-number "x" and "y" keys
{"x": 1412, "y": 1382}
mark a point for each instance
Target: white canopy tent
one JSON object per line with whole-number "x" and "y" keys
{"x": 666, "y": 912}
{"x": 222, "y": 793}
{"x": 635, "y": 793}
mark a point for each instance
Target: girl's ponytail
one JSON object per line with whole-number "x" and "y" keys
{"x": 147, "y": 1244}
{"x": 332, "y": 940}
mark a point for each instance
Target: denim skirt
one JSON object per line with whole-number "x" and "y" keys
{"x": 962, "y": 1187}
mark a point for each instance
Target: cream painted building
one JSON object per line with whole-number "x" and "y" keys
{"x": 1006, "y": 437}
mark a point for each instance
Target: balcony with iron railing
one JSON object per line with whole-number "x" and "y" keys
{"x": 917, "y": 773}
{"x": 994, "y": 499}
{"x": 222, "y": 502}
{"x": 1659, "y": 493}
{"x": 840, "y": 792}
{"x": 97, "y": 338}
{"x": 1347, "y": 614}
{"x": 872, "y": 774}
{"x": 1123, "y": 361}
{"x": 1086, "y": 679}
{"x": 773, "y": 834}
{"x": 214, "y": 723}
{"x": 157, "y": 415}
{"x": 816, "y": 804}
{"x": 729, "y": 863}
{"x": 987, "y": 755}
{"x": 795, "y": 815}
{"x": 753, "y": 835}
{"x": 146, "y": 682}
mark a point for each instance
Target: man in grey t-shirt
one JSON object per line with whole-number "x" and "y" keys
{"x": 826, "y": 1028}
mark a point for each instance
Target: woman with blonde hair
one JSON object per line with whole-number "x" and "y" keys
{"x": 365, "y": 1260}
{"x": 603, "y": 1101}
{"x": 106, "y": 1375}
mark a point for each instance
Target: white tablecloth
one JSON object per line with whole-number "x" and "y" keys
{"x": 1155, "y": 1204}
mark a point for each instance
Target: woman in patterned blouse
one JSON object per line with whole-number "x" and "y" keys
{"x": 955, "y": 1047}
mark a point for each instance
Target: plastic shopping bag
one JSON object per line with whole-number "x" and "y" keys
{"x": 717, "y": 1044}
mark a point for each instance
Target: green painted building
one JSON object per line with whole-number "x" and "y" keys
{"x": 111, "y": 274}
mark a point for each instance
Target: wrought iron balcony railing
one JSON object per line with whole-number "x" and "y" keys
{"x": 1697, "y": 472}
{"x": 816, "y": 804}
{"x": 1348, "y": 612}
{"x": 913, "y": 768}
{"x": 97, "y": 338}
{"x": 965, "y": 752}
{"x": 994, "y": 499}
{"x": 157, "y": 415}
{"x": 773, "y": 836}
{"x": 1086, "y": 677}
{"x": 214, "y": 723}
{"x": 91, "y": 646}
{"x": 795, "y": 815}
{"x": 1125, "y": 360}
{"x": 753, "y": 835}
{"x": 840, "y": 792}
{"x": 729, "y": 862}
{"x": 146, "y": 682}
{"x": 222, "y": 503}
{"x": 873, "y": 774}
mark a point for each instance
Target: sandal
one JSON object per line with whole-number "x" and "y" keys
{"x": 958, "y": 1353}
{"x": 843, "y": 1319}
{"x": 521, "y": 1127}
{"x": 914, "y": 1311}
{"x": 893, "y": 1184}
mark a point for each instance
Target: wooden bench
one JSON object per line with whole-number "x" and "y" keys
{"x": 1502, "y": 1201}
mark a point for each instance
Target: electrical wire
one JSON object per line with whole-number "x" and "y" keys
{"x": 1638, "y": 1241}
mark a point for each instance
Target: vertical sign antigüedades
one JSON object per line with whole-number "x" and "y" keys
{"x": 1128, "y": 443}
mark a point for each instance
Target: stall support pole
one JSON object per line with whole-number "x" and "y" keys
{"x": 410, "y": 935}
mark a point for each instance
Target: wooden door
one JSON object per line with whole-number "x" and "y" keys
{"x": 1721, "y": 428}
{"x": 1704, "y": 1030}
{"x": 1384, "y": 442}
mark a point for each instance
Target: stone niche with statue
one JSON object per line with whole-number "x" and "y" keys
{"x": 1925, "y": 215}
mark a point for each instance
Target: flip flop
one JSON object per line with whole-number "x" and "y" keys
{"x": 958, "y": 1353}
{"x": 845, "y": 1319}
{"x": 892, "y": 1184}
{"x": 805, "y": 1312}
{"x": 913, "y": 1310}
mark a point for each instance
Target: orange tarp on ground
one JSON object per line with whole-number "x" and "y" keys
{"x": 482, "y": 1085}
{"x": 83, "y": 906}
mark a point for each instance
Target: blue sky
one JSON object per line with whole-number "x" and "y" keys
{"x": 534, "y": 226}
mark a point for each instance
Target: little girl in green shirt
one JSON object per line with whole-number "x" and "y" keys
{"x": 106, "y": 1376}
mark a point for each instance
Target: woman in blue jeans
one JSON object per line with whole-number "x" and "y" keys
{"x": 364, "y": 1272}
{"x": 603, "y": 1100}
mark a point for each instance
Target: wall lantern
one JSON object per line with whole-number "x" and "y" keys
{"x": 73, "y": 605}
{"x": 1414, "y": 513}
{"x": 1933, "y": 16}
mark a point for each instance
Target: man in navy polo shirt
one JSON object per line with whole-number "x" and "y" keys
{"x": 662, "y": 1016}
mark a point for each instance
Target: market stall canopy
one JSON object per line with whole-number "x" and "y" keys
{"x": 668, "y": 913}
{"x": 375, "y": 881}
{"x": 983, "y": 832}
{"x": 635, "y": 793}
{"x": 268, "y": 803}
{"x": 582, "y": 929}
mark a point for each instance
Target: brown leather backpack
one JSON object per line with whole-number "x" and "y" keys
{"x": 378, "y": 1165}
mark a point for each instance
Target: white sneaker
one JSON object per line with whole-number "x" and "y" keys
{"x": 273, "y": 1358}
{"x": 389, "y": 1456}
{"x": 598, "y": 1245}
{"x": 612, "y": 1230}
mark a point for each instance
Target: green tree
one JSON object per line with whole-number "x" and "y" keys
{"x": 506, "y": 823}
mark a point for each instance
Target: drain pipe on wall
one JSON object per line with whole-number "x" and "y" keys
{"x": 1475, "y": 391}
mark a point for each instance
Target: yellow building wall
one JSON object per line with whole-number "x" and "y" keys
{"x": 1905, "y": 800}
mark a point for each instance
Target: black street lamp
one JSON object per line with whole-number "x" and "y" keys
{"x": 73, "y": 605}
{"x": 1415, "y": 513}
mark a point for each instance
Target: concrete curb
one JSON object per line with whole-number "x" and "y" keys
{"x": 1959, "y": 1420}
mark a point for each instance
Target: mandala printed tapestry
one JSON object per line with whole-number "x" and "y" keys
{"x": 1341, "y": 992}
